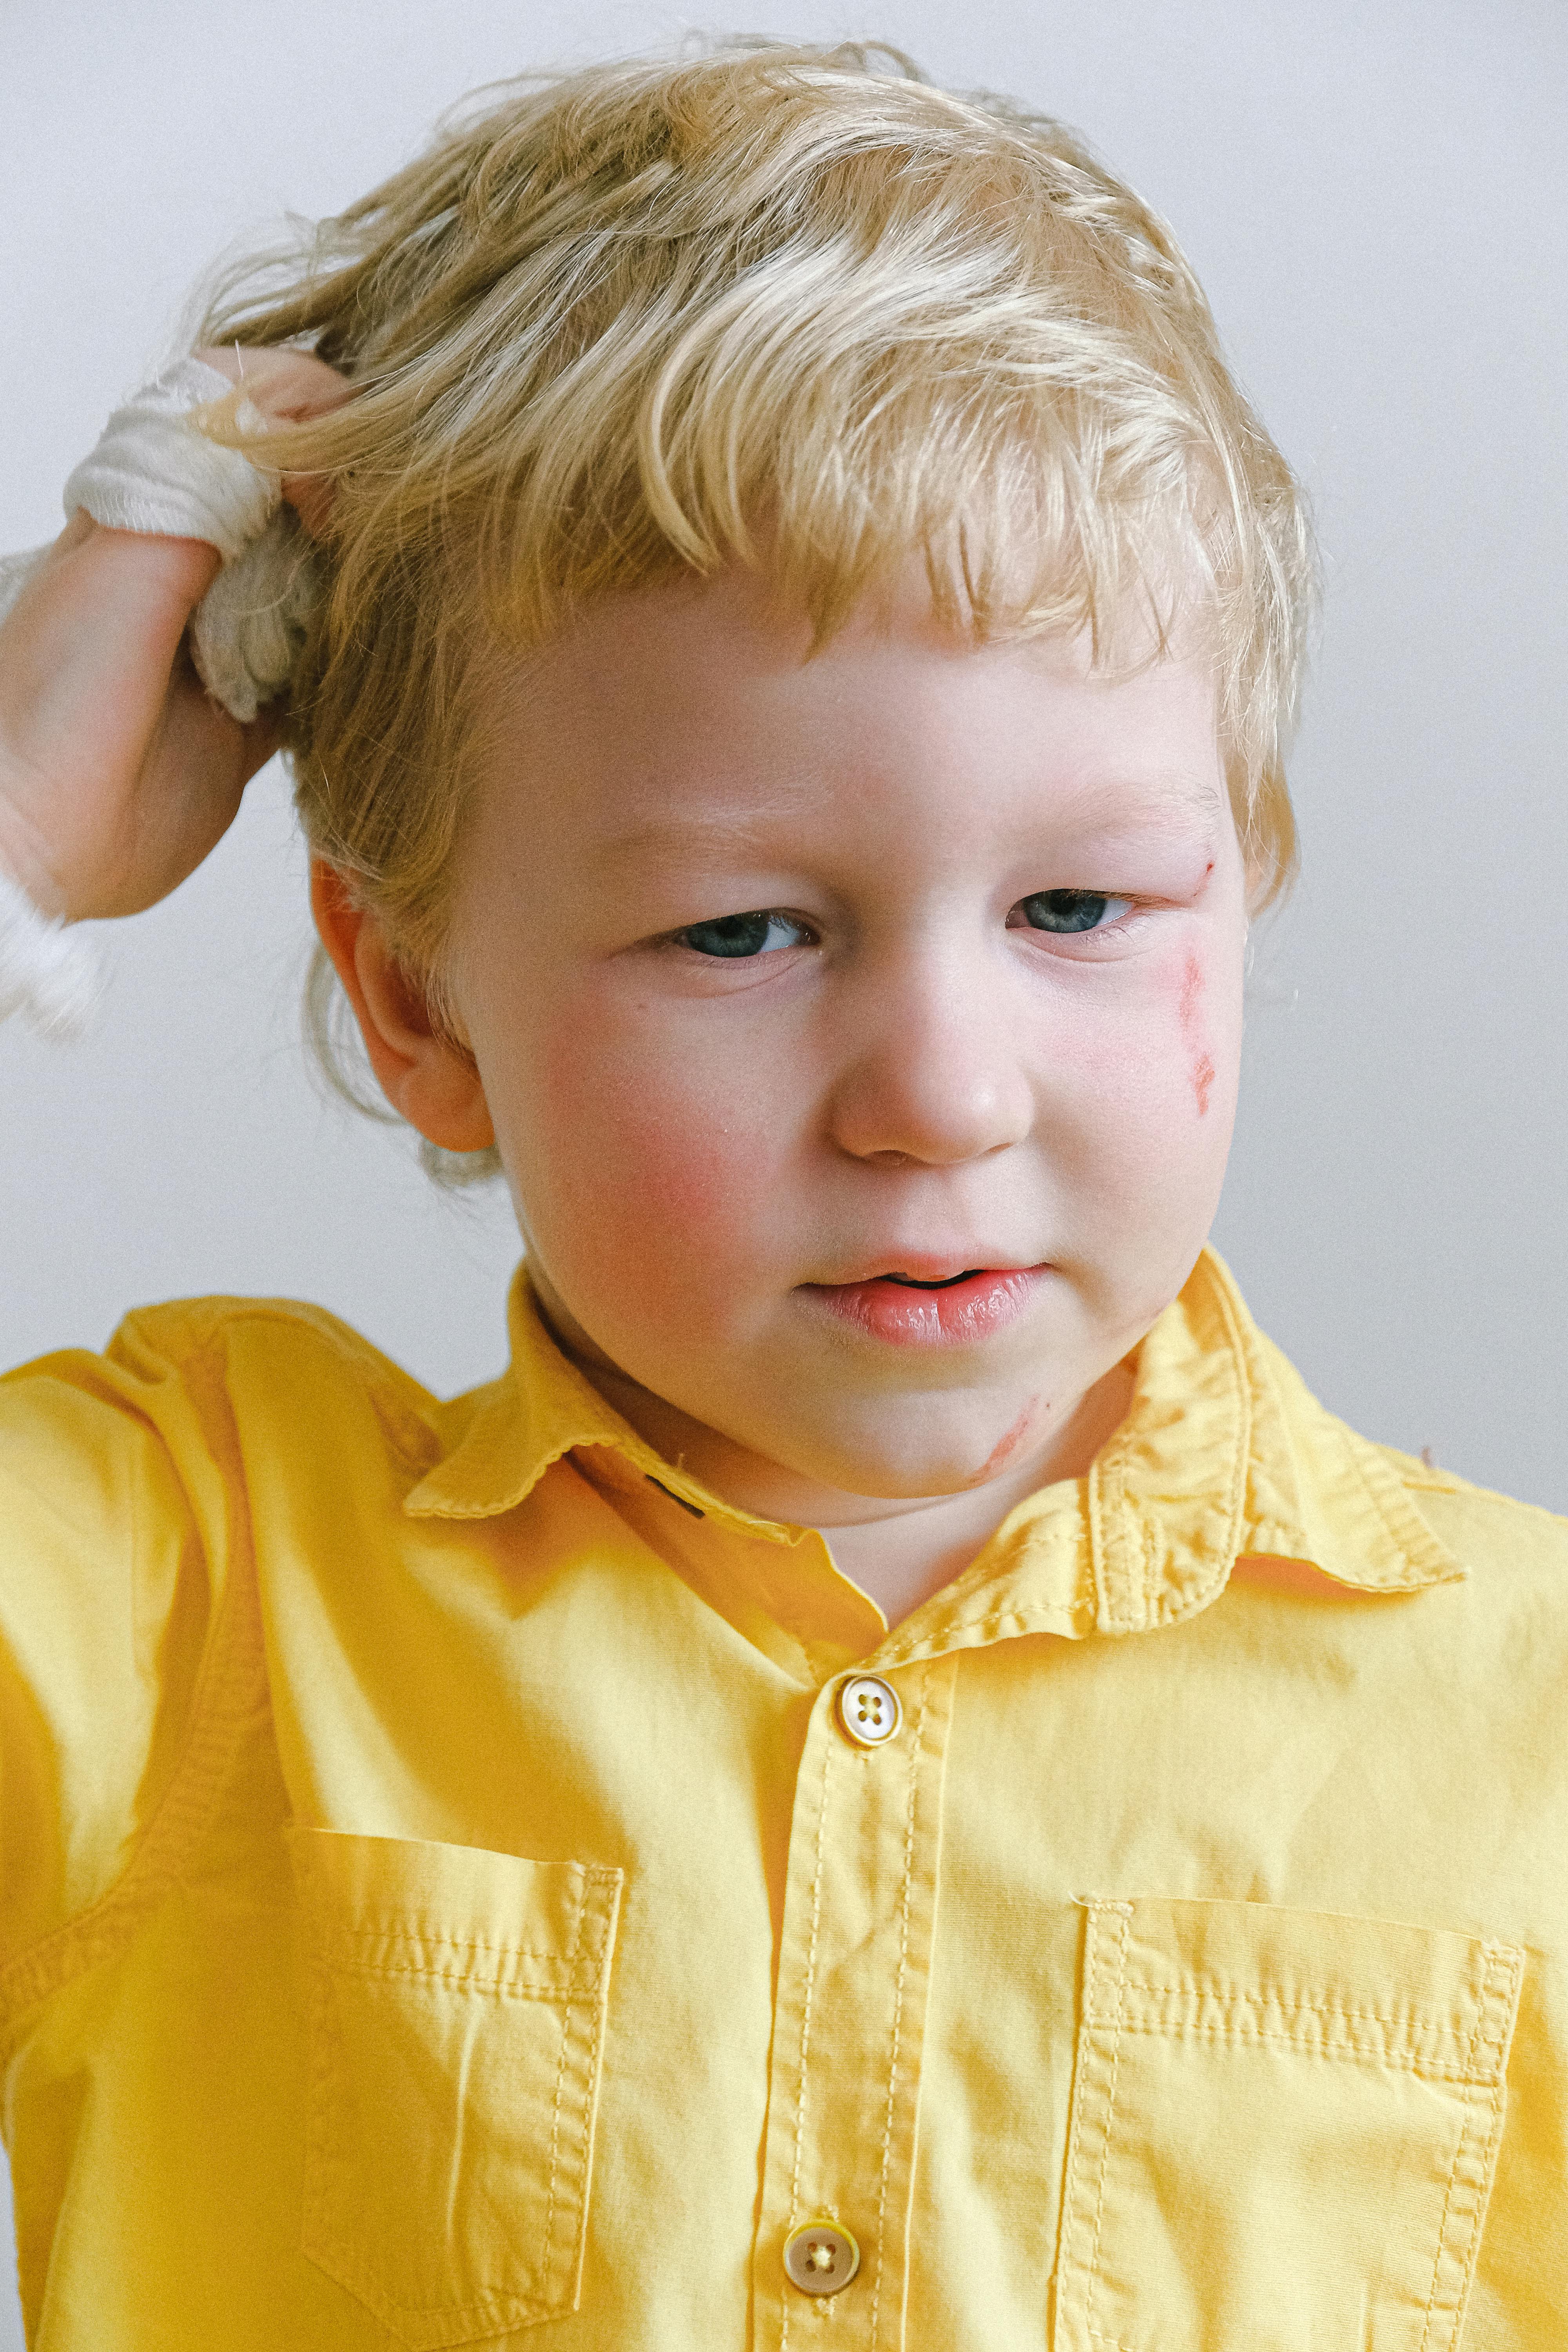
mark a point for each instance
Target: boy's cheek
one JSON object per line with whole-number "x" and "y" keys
{"x": 643, "y": 1176}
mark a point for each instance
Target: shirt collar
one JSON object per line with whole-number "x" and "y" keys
{"x": 1224, "y": 1453}
{"x": 505, "y": 1436}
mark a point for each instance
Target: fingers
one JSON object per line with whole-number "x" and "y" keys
{"x": 294, "y": 387}
{"x": 291, "y": 385}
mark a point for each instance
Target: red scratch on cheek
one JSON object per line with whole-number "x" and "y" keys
{"x": 1191, "y": 990}
{"x": 1202, "y": 1069}
{"x": 1007, "y": 1444}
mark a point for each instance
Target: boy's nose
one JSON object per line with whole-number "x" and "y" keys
{"x": 938, "y": 1077}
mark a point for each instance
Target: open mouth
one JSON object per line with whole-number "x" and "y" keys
{"x": 914, "y": 1282}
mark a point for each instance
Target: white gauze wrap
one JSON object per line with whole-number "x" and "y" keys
{"x": 44, "y": 971}
{"x": 154, "y": 471}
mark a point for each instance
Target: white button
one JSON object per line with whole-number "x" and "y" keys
{"x": 868, "y": 1710}
{"x": 820, "y": 2258}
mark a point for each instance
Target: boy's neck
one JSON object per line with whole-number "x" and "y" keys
{"x": 899, "y": 1549}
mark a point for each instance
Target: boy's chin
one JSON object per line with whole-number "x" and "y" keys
{"x": 897, "y": 1462}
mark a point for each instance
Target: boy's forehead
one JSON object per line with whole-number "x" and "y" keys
{"x": 748, "y": 607}
{"x": 718, "y": 675}
{"x": 696, "y": 722}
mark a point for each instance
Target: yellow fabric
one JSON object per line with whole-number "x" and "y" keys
{"x": 440, "y": 1905}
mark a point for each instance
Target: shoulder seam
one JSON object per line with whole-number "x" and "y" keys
{"x": 389, "y": 1388}
{"x": 231, "y": 1684}
{"x": 209, "y": 1316}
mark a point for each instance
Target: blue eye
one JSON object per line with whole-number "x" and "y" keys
{"x": 1070, "y": 910}
{"x": 743, "y": 935}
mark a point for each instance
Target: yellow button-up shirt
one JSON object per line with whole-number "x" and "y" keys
{"x": 442, "y": 1901}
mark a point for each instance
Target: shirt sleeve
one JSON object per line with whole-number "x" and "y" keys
{"x": 116, "y": 1521}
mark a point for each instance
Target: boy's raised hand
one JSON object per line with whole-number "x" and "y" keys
{"x": 118, "y": 771}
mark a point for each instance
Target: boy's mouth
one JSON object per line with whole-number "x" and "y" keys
{"x": 922, "y": 1310}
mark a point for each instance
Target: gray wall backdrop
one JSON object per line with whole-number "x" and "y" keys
{"x": 1375, "y": 198}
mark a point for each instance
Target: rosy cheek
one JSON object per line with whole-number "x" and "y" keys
{"x": 674, "y": 1171}
{"x": 641, "y": 1170}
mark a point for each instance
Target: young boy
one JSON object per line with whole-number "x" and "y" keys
{"x": 896, "y": 1781}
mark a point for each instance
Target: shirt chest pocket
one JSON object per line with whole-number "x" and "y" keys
{"x": 456, "y": 2007}
{"x": 1284, "y": 2130}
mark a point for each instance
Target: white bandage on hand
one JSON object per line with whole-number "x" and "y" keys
{"x": 152, "y": 471}
{"x": 45, "y": 972}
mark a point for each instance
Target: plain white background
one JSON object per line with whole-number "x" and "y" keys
{"x": 1376, "y": 201}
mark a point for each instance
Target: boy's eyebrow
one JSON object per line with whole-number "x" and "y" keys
{"x": 667, "y": 834}
{"x": 1109, "y": 801}
{"x": 1106, "y": 804}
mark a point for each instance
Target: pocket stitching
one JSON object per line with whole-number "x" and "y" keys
{"x": 1419, "y": 2039}
{"x": 1459, "y": 2142}
{"x": 374, "y": 1928}
{"x": 1315, "y": 2006}
{"x": 550, "y": 2198}
{"x": 1350, "y": 2051}
{"x": 375, "y": 1932}
{"x": 597, "y": 1888}
{"x": 1500, "y": 1992}
{"x": 565, "y": 1988}
{"x": 556, "y": 2142}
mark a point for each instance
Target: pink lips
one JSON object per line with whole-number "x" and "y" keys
{"x": 953, "y": 1312}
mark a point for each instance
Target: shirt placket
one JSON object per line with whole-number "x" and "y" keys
{"x": 849, "y": 2020}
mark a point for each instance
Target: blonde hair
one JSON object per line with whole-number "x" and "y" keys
{"x": 763, "y": 300}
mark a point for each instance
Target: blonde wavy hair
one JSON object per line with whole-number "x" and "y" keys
{"x": 761, "y": 302}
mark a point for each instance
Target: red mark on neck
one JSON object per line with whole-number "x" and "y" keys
{"x": 1008, "y": 1443}
{"x": 1201, "y": 1069}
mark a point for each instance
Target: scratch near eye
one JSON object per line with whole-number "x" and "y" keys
{"x": 1202, "y": 1069}
{"x": 1192, "y": 988}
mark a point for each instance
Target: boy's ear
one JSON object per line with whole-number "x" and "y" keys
{"x": 422, "y": 1074}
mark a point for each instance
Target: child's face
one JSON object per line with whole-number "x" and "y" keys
{"x": 785, "y": 976}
